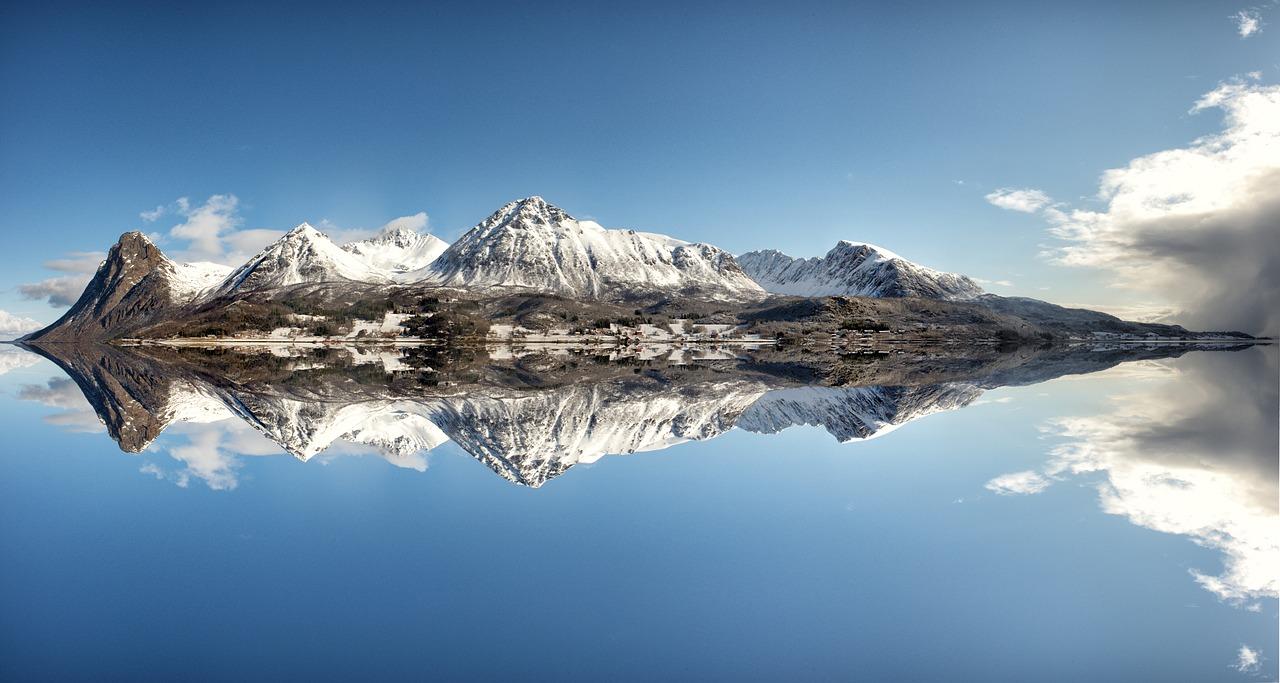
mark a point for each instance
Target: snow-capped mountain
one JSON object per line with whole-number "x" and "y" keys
{"x": 534, "y": 246}
{"x": 134, "y": 286}
{"x": 195, "y": 279}
{"x": 854, "y": 269}
{"x": 853, "y": 413}
{"x": 530, "y": 437}
{"x": 303, "y": 255}
{"x": 400, "y": 254}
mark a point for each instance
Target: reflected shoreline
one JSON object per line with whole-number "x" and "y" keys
{"x": 530, "y": 413}
{"x": 1180, "y": 454}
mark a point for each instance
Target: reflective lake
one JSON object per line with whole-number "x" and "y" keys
{"x": 1094, "y": 513}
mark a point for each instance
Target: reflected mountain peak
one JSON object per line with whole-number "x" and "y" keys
{"x": 529, "y": 414}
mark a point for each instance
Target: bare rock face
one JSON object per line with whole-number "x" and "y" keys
{"x": 129, "y": 393}
{"x": 134, "y": 287}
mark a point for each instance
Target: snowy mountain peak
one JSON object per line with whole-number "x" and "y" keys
{"x": 304, "y": 231}
{"x": 302, "y": 255}
{"x": 529, "y": 211}
{"x": 535, "y": 246}
{"x": 854, "y": 269}
{"x": 400, "y": 254}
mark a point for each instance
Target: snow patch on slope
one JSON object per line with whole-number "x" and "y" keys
{"x": 399, "y": 254}
{"x": 854, "y": 269}
{"x": 192, "y": 280}
{"x": 530, "y": 244}
{"x": 303, "y": 255}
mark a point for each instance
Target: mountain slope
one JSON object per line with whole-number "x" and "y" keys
{"x": 854, "y": 269}
{"x": 399, "y": 254}
{"x": 852, "y": 413}
{"x": 532, "y": 245}
{"x": 134, "y": 286}
{"x": 302, "y": 255}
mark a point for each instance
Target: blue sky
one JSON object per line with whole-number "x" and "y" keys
{"x": 749, "y": 126}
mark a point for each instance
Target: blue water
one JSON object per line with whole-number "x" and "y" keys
{"x": 1140, "y": 546}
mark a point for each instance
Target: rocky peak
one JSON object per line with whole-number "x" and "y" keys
{"x": 530, "y": 211}
{"x": 132, "y": 286}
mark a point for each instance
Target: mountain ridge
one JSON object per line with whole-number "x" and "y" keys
{"x": 854, "y": 269}
{"x": 531, "y": 244}
{"x": 530, "y": 255}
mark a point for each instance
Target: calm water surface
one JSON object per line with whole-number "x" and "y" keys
{"x": 1119, "y": 525}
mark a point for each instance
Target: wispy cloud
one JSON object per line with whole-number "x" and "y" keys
{"x": 15, "y": 325}
{"x": 204, "y": 226}
{"x": 77, "y": 262}
{"x": 13, "y": 358}
{"x": 417, "y": 223}
{"x": 76, "y": 415}
{"x": 63, "y": 290}
{"x": 154, "y": 214}
{"x": 1247, "y": 660}
{"x": 1026, "y": 200}
{"x": 211, "y": 230}
{"x": 58, "y": 291}
{"x": 1018, "y": 483}
{"x": 1248, "y": 22}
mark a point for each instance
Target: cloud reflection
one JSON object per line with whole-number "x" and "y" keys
{"x": 1191, "y": 453}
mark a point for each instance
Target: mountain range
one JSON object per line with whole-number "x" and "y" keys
{"x": 527, "y": 248}
{"x": 530, "y": 424}
{"x": 854, "y": 269}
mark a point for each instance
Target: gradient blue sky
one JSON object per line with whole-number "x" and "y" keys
{"x": 787, "y": 125}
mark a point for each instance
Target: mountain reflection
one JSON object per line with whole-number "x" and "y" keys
{"x": 527, "y": 415}
{"x": 1180, "y": 454}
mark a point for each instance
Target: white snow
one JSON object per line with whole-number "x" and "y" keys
{"x": 853, "y": 269}
{"x": 855, "y": 413}
{"x": 303, "y": 255}
{"x": 399, "y": 254}
{"x": 530, "y": 244}
{"x": 192, "y": 280}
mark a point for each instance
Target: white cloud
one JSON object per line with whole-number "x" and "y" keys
{"x": 78, "y": 262}
{"x": 241, "y": 245}
{"x": 154, "y": 214}
{"x": 1248, "y": 22}
{"x": 1194, "y": 228}
{"x": 63, "y": 290}
{"x": 1185, "y": 455}
{"x": 210, "y": 231}
{"x": 1018, "y": 483}
{"x": 1247, "y": 660}
{"x": 204, "y": 459}
{"x": 59, "y": 291}
{"x": 205, "y": 225}
{"x": 60, "y": 392}
{"x": 15, "y": 325}
{"x": 13, "y": 358}
{"x": 993, "y": 283}
{"x": 417, "y": 223}
{"x": 1026, "y": 200}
